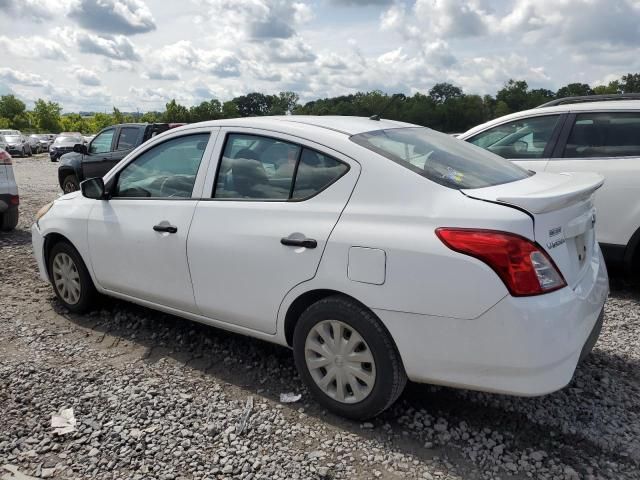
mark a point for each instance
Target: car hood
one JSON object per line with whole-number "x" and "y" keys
{"x": 68, "y": 196}
{"x": 70, "y": 158}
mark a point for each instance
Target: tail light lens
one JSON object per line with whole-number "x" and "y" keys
{"x": 5, "y": 158}
{"x": 520, "y": 263}
{"x": 14, "y": 200}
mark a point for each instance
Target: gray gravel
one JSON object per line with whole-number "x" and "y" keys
{"x": 156, "y": 396}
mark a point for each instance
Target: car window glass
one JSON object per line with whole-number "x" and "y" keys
{"x": 102, "y": 143}
{"x": 167, "y": 170}
{"x": 127, "y": 138}
{"x": 441, "y": 158}
{"x": 315, "y": 172}
{"x": 522, "y": 138}
{"x": 604, "y": 135}
{"x": 255, "y": 167}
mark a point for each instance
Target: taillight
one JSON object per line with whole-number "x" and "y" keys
{"x": 5, "y": 158}
{"x": 520, "y": 263}
{"x": 14, "y": 200}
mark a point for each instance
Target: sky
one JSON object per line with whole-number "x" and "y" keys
{"x": 91, "y": 55}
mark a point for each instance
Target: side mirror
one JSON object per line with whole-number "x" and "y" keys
{"x": 93, "y": 188}
{"x": 80, "y": 148}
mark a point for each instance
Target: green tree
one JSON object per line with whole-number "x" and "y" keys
{"x": 611, "y": 89}
{"x": 46, "y": 116}
{"x": 176, "y": 113}
{"x": 230, "y": 109}
{"x": 283, "y": 103}
{"x": 211, "y": 110}
{"x": 630, "y": 83}
{"x": 441, "y": 92}
{"x": 574, "y": 90}
{"x": 514, "y": 95}
{"x": 117, "y": 116}
{"x": 14, "y": 110}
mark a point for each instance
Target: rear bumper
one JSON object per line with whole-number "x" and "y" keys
{"x": 521, "y": 346}
{"x": 8, "y": 201}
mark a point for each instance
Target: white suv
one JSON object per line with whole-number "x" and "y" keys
{"x": 582, "y": 134}
{"x": 8, "y": 194}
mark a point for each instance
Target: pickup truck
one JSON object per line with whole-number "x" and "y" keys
{"x": 108, "y": 147}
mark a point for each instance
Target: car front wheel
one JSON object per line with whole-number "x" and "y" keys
{"x": 347, "y": 359}
{"x": 70, "y": 184}
{"x": 70, "y": 279}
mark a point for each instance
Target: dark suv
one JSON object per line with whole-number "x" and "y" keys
{"x": 108, "y": 147}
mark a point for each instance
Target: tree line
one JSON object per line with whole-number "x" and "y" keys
{"x": 444, "y": 107}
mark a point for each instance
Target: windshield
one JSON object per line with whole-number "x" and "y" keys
{"x": 12, "y": 138}
{"x": 67, "y": 140}
{"x": 441, "y": 158}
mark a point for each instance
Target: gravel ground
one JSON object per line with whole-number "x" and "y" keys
{"x": 156, "y": 396}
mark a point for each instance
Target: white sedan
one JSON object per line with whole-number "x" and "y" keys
{"x": 379, "y": 251}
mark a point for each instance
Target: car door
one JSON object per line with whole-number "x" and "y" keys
{"x": 607, "y": 143}
{"x": 261, "y": 232}
{"x": 528, "y": 141}
{"x": 138, "y": 237}
{"x": 98, "y": 160}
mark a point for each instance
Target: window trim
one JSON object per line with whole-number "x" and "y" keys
{"x": 558, "y": 153}
{"x": 97, "y": 135}
{"x": 293, "y": 180}
{"x": 113, "y": 181}
{"x": 549, "y": 149}
{"x": 115, "y": 147}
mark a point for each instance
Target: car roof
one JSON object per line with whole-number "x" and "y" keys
{"x": 604, "y": 106}
{"x": 342, "y": 124}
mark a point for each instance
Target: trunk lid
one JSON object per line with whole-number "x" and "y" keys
{"x": 563, "y": 213}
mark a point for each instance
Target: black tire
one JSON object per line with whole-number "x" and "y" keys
{"x": 9, "y": 220}
{"x": 88, "y": 294}
{"x": 390, "y": 375}
{"x": 30, "y": 152}
{"x": 70, "y": 184}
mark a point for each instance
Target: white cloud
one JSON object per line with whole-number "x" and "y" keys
{"x": 116, "y": 47}
{"x": 21, "y": 78}
{"x": 86, "y": 77}
{"x": 113, "y": 16}
{"x": 33, "y": 47}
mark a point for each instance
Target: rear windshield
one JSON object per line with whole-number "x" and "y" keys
{"x": 441, "y": 158}
{"x": 67, "y": 139}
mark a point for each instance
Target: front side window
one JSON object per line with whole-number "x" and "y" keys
{"x": 525, "y": 138}
{"x": 167, "y": 170}
{"x": 604, "y": 135}
{"x": 127, "y": 138}
{"x": 441, "y": 158}
{"x": 262, "y": 168}
{"x": 102, "y": 143}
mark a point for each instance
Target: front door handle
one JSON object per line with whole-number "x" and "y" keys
{"x": 299, "y": 242}
{"x": 165, "y": 227}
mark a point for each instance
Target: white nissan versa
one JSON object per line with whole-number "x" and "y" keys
{"x": 377, "y": 250}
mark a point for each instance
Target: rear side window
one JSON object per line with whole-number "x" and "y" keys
{"x": 604, "y": 135}
{"x": 441, "y": 158}
{"x": 127, "y": 138}
{"x": 524, "y": 138}
{"x": 262, "y": 168}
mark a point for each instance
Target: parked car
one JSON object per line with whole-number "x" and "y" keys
{"x": 64, "y": 143}
{"x": 108, "y": 147}
{"x": 43, "y": 141}
{"x": 34, "y": 143}
{"x": 88, "y": 138}
{"x": 17, "y": 144}
{"x": 582, "y": 134}
{"x": 9, "y": 199}
{"x": 6, "y": 131}
{"x": 377, "y": 250}
{"x": 3, "y": 143}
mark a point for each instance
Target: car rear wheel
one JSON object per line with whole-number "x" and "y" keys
{"x": 9, "y": 220}
{"x": 30, "y": 152}
{"x": 347, "y": 359}
{"x": 70, "y": 279}
{"x": 70, "y": 184}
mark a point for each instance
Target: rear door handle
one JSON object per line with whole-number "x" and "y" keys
{"x": 165, "y": 227}
{"x": 299, "y": 242}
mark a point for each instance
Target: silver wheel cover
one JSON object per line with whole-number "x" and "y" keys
{"x": 66, "y": 278}
{"x": 340, "y": 361}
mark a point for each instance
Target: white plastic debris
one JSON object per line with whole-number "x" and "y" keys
{"x": 290, "y": 397}
{"x": 13, "y": 474}
{"x": 63, "y": 422}
{"x": 241, "y": 426}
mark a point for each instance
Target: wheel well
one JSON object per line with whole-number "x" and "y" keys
{"x": 632, "y": 253}
{"x": 303, "y": 302}
{"x": 49, "y": 241}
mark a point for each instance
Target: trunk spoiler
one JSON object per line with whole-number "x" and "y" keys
{"x": 549, "y": 192}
